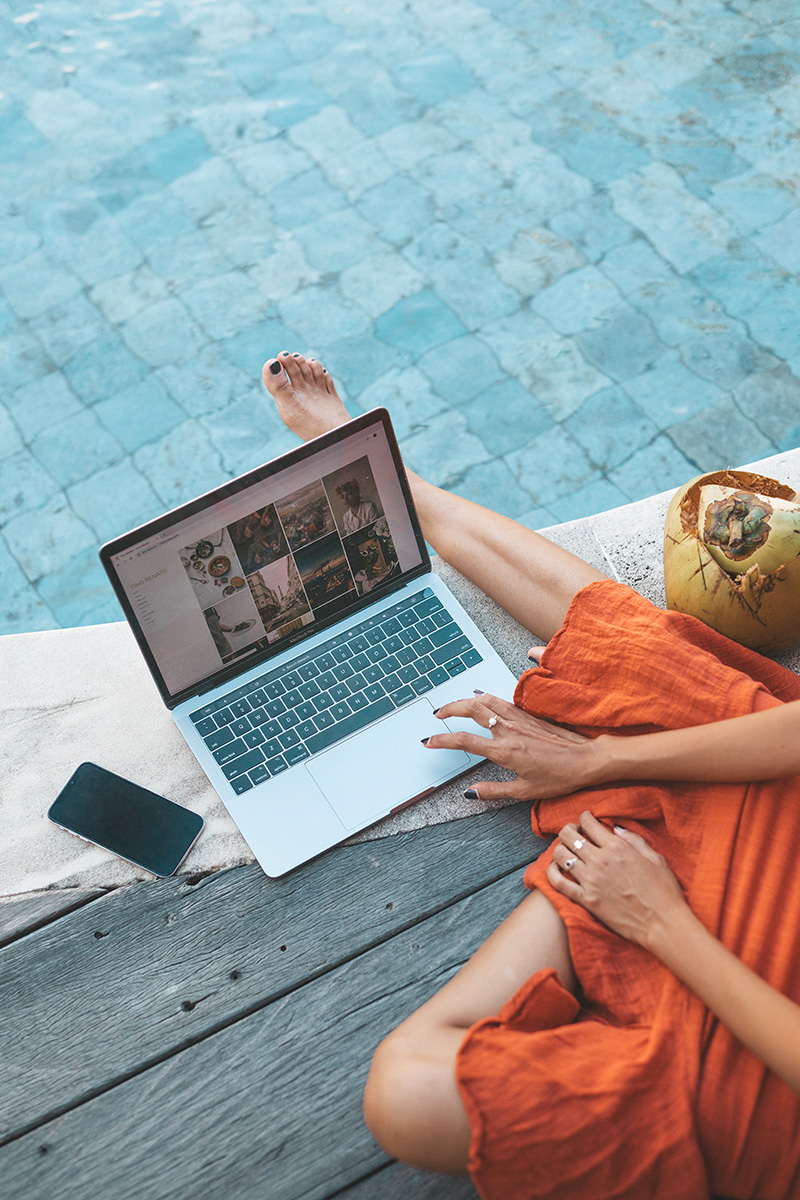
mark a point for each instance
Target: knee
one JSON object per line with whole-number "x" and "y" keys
{"x": 412, "y": 1107}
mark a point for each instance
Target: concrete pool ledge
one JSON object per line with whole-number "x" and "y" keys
{"x": 72, "y": 695}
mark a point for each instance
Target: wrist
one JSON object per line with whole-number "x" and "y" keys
{"x": 669, "y": 929}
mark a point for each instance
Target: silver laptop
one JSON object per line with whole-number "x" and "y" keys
{"x": 295, "y": 630}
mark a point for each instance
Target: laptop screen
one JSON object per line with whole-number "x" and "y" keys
{"x": 230, "y": 579}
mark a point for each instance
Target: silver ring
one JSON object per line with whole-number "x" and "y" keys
{"x": 492, "y": 722}
{"x": 579, "y": 843}
{"x": 570, "y": 863}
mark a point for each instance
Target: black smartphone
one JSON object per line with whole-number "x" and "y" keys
{"x": 146, "y": 829}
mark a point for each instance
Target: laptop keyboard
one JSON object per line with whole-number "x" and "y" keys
{"x": 342, "y": 685}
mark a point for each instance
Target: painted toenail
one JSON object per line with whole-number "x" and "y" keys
{"x": 296, "y": 356}
{"x": 276, "y": 368}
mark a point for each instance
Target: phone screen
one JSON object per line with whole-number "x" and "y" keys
{"x": 146, "y": 829}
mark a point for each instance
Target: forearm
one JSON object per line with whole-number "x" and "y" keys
{"x": 763, "y": 745}
{"x": 763, "y": 1019}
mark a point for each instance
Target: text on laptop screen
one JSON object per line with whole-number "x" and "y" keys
{"x": 248, "y": 572}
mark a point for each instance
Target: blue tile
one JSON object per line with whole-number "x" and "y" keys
{"x": 610, "y": 427}
{"x": 292, "y": 97}
{"x": 305, "y": 198}
{"x": 21, "y": 358}
{"x": 633, "y": 265}
{"x": 24, "y": 484}
{"x": 506, "y": 416}
{"x": 319, "y": 315}
{"x": 140, "y": 414}
{"x": 182, "y": 465}
{"x": 461, "y": 368}
{"x": 102, "y": 368}
{"x": 623, "y": 344}
{"x": 37, "y": 283}
{"x": 79, "y": 593}
{"x": 338, "y": 240}
{"x": 62, "y": 329}
{"x": 358, "y": 362}
{"x": 43, "y": 402}
{"x": 719, "y": 437}
{"x": 575, "y": 301}
{"x": 409, "y": 398}
{"x": 551, "y": 466}
{"x": 248, "y": 433}
{"x": 669, "y": 392}
{"x": 593, "y": 227}
{"x": 492, "y": 485}
{"x": 163, "y": 333}
{"x": 654, "y": 468}
{"x": 399, "y": 208}
{"x": 226, "y": 304}
{"x": 594, "y": 498}
{"x": 18, "y": 138}
{"x": 134, "y": 500}
{"x": 740, "y": 278}
{"x": 780, "y": 241}
{"x": 433, "y": 76}
{"x": 55, "y": 446}
{"x": 48, "y": 538}
{"x": 771, "y": 400}
{"x": 21, "y": 608}
{"x": 774, "y": 320}
{"x": 419, "y": 323}
{"x": 256, "y": 63}
{"x": 444, "y": 450}
{"x": 726, "y": 357}
{"x": 210, "y": 381}
{"x": 250, "y": 349}
{"x": 679, "y": 311}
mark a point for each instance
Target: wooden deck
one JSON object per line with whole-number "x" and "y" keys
{"x": 209, "y": 1037}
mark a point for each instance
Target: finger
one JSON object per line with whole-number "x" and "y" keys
{"x": 638, "y": 843}
{"x": 562, "y": 883}
{"x": 470, "y": 743}
{"x": 573, "y": 838}
{"x": 474, "y": 708}
{"x": 568, "y": 861}
{"x": 600, "y": 834}
{"x": 536, "y": 653}
{"x": 512, "y": 789}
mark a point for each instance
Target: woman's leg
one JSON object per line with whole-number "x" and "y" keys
{"x": 412, "y": 1105}
{"x": 530, "y": 577}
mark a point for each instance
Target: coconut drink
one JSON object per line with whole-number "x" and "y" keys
{"x": 732, "y": 557}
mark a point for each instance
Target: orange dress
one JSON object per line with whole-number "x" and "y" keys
{"x": 635, "y": 1091}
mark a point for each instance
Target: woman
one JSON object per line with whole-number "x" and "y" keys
{"x": 630, "y": 1029}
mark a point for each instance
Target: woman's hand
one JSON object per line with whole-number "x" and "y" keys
{"x": 548, "y": 760}
{"x": 616, "y": 877}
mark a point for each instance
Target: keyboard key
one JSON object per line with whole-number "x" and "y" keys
{"x": 374, "y": 691}
{"x": 358, "y": 701}
{"x": 258, "y": 698}
{"x": 220, "y": 738}
{"x": 254, "y": 738}
{"x": 406, "y": 655}
{"x": 325, "y": 661}
{"x": 408, "y": 673}
{"x": 310, "y": 689}
{"x": 343, "y": 671}
{"x": 322, "y": 702}
{"x": 423, "y": 646}
{"x": 425, "y": 607}
{"x": 259, "y": 773}
{"x": 438, "y": 675}
{"x": 241, "y": 726}
{"x": 341, "y": 653}
{"x": 306, "y": 729}
{"x": 206, "y": 726}
{"x": 243, "y": 763}
{"x": 445, "y": 634}
{"x": 240, "y": 707}
{"x": 327, "y": 680}
{"x": 274, "y": 689}
{"x": 359, "y": 643}
{"x": 293, "y": 698}
{"x": 374, "y": 636}
{"x": 426, "y": 625}
{"x": 275, "y": 708}
{"x": 376, "y": 653}
{"x": 324, "y": 719}
{"x": 407, "y": 618}
{"x": 242, "y": 784}
{"x": 443, "y": 654}
{"x": 394, "y": 643}
{"x": 471, "y": 657}
{"x": 272, "y": 729}
{"x": 391, "y": 626}
{"x": 422, "y": 685}
{"x": 455, "y": 667}
{"x": 390, "y": 663}
{"x": 441, "y": 618}
{"x": 403, "y": 695}
{"x": 357, "y": 683}
{"x": 306, "y": 710}
{"x": 291, "y": 679}
{"x": 359, "y": 662}
{"x": 392, "y": 682}
{"x": 276, "y": 765}
{"x": 339, "y": 711}
{"x": 408, "y": 636}
{"x": 259, "y": 716}
{"x": 224, "y": 717}
{"x": 309, "y": 670}
{"x": 272, "y": 747}
{"x": 230, "y": 752}
{"x": 356, "y": 720}
{"x": 372, "y": 674}
{"x": 289, "y": 720}
{"x": 340, "y": 691}
{"x": 296, "y": 755}
{"x": 424, "y": 664}
{"x": 290, "y": 738}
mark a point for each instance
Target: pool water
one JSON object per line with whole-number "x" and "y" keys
{"x": 559, "y": 242}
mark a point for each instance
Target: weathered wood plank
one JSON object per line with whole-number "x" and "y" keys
{"x": 21, "y": 914}
{"x": 399, "y": 1182}
{"x": 269, "y": 1107}
{"x": 151, "y": 967}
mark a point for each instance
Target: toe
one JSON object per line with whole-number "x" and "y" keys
{"x": 317, "y": 373}
{"x": 303, "y": 367}
{"x": 275, "y": 378}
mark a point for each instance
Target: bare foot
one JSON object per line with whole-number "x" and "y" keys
{"x": 304, "y": 393}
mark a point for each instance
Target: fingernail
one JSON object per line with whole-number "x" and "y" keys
{"x": 276, "y": 368}
{"x": 471, "y": 794}
{"x": 478, "y": 692}
{"x": 425, "y": 741}
{"x": 619, "y": 829}
{"x": 436, "y": 710}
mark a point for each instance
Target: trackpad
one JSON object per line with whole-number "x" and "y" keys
{"x": 366, "y": 776}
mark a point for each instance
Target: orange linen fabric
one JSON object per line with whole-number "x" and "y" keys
{"x": 638, "y": 1092}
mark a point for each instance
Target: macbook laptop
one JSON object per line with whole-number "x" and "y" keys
{"x": 296, "y": 632}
